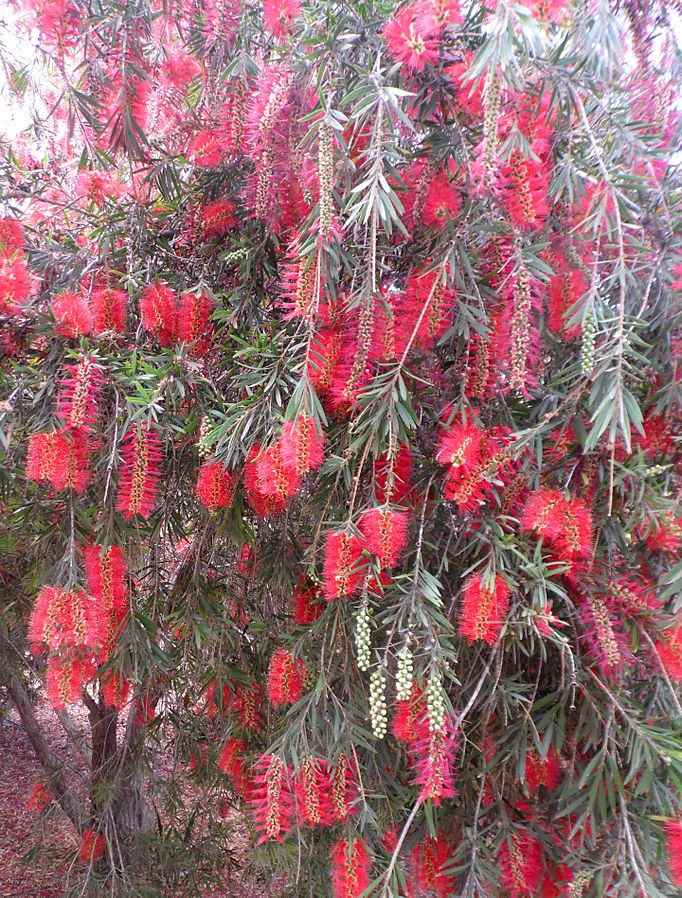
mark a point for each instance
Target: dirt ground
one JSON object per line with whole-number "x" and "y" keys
{"x": 36, "y": 857}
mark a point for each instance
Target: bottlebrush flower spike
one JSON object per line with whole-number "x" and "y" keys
{"x": 541, "y": 772}
{"x": 91, "y": 847}
{"x": 79, "y": 393}
{"x": 350, "y": 869}
{"x": 342, "y": 563}
{"x": 14, "y": 284}
{"x": 397, "y": 488}
{"x": 408, "y": 716}
{"x": 443, "y": 200}
{"x": 564, "y": 524}
{"x": 138, "y": 481}
{"x": 301, "y": 446}
{"x": 311, "y": 789}
{"x": 107, "y": 574}
{"x": 217, "y": 218}
{"x": 246, "y": 705}
{"x": 61, "y": 459}
{"x": 484, "y": 608}
{"x": 427, "y": 308}
{"x": 433, "y": 757}
{"x": 524, "y": 185}
{"x": 39, "y": 798}
{"x": 194, "y": 322}
{"x": 325, "y": 352}
{"x": 670, "y": 652}
{"x": 521, "y": 864}
{"x": 564, "y": 290}
{"x": 385, "y": 533}
{"x": 205, "y": 150}
{"x": 215, "y": 486}
{"x": 233, "y": 765}
{"x": 343, "y": 790}
{"x": 275, "y": 479}
{"x": 280, "y": 15}
{"x": 11, "y": 236}
{"x": 306, "y": 605}
{"x": 665, "y": 534}
{"x": 270, "y": 798}
{"x": 412, "y": 37}
{"x": 65, "y": 619}
{"x": 606, "y": 641}
{"x": 72, "y": 315}
{"x": 298, "y": 282}
{"x": 159, "y": 312}
{"x": 431, "y": 860}
{"x": 108, "y": 308}
{"x": 673, "y": 836}
{"x": 67, "y": 673}
{"x": 286, "y": 678}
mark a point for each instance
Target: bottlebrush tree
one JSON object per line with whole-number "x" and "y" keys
{"x": 340, "y": 431}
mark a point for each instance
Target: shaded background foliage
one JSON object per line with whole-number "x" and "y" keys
{"x": 399, "y": 318}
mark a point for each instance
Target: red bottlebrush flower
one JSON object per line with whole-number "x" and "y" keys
{"x": 665, "y": 534}
{"x": 11, "y": 237}
{"x": 484, "y": 608}
{"x": 673, "y": 836}
{"x": 397, "y": 488}
{"x": 286, "y": 678}
{"x": 433, "y": 757}
{"x": 14, "y": 283}
{"x": 115, "y": 689}
{"x": 65, "y": 619}
{"x": 411, "y": 36}
{"x": 431, "y": 859}
{"x": 108, "y": 309}
{"x": 61, "y": 459}
{"x": 408, "y": 716}
{"x": 343, "y": 790}
{"x": 39, "y": 798}
{"x": 425, "y": 312}
{"x": 279, "y": 15}
{"x": 268, "y": 133}
{"x": 301, "y": 446}
{"x": 215, "y": 486}
{"x": 67, "y": 673}
{"x": 521, "y": 864}
{"x": 247, "y": 561}
{"x": 194, "y": 322}
{"x": 606, "y": 641}
{"x": 246, "y": 704}
{"x": 138, "y": 481}
{"x": 542, "y": 772}
{"x": 325, "y": 351}
{"x": 91, "y": 847}
{"x": 266, "y": 497}
{"x": 306, "y": 606}
{"x": 565, "y": 525}
{"x": 270, "y": 798}
{"x": 342, "y": 562}
{"x": 205, "y": 150}
{"x": 565, "y": 288}
{"x": 217, "y": 218}
{"x": 298, "y": 282}
{"x": 107, "y": 575}
{"x": 145, "y": 713}
{"x": 72, "y": 315}
{"x": 79, "y": 393}
{"x": 350, "y": 869}
{"x": 443, "y": 200}
{"x": 233, "y": 765}
{"x": 311, "y": 789}
{"x": 385, "y": 533}
{"x": 459, "y": 448}
{"x": 524, "y": 184}
{"x": 159, "y": 312}
{"x": 276, "y": 480}
{"x": 670, "y": 652}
